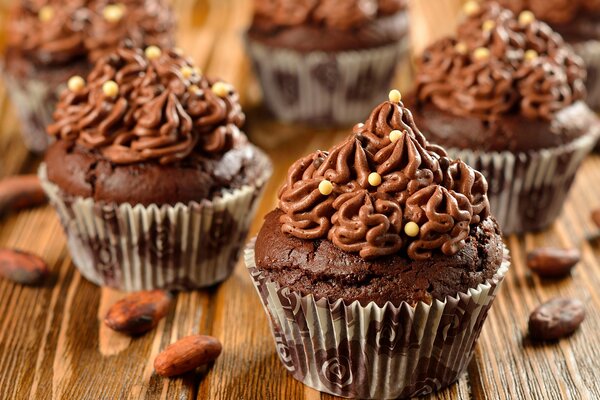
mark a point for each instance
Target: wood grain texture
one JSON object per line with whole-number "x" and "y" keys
{"x": 53, "y": 344}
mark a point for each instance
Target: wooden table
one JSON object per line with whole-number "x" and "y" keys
{"x": 53, "y": 344}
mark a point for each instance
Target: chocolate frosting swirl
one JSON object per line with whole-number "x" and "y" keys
{"x": 164, "y": 110}
{"x": 553, "y": 11}
{"x": 54, "y": 32}
{"x": 341, "y": 15}
{"x": 498, "y": 64}
{"x": 414, "y": 182}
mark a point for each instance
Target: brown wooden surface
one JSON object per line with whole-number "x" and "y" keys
{"x": 53, "y": 345}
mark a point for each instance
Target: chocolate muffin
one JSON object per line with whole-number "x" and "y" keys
{"x": 49, "y": 41}
{"x": 152, "y": 178}
{"x": 326, "y": 62}
{"x": 578, "y": 22}
{"x": 380, "y": 263}
{"x": 506, "y": 96}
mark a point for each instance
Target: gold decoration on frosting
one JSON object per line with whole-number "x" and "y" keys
{"x": 374, "y": 179}
{"x": 46, "y": 13}
{"x": 221, "y": 89}
{"x": 152, "y": 52}
{"x": 113, "y": 12}
{"x": 481, "y": 53}
{"x": 395, "y": 96}
{"x": 411, "y": 229}
{"x": 75, "y": 83}
{"x": 471, "y": 7}
{"x": 531, "y": 55}
{"x": 186, "y": 71}
{"x": 395, "y": 135}
{"x": 461, "y": 48}
{"x": 526, "y": 17}
{"x": 110, "y": 88}
{"x": 488, "y": 25}
{"x": 194, "y": 89}
{"x": 325, "y": 187}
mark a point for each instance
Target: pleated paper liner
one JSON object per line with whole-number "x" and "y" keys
{"x": 325, "y": 88}
{"x": 136, "y": 247}
{"x": 527, "y": 190}
{"x": 373, "y": 352}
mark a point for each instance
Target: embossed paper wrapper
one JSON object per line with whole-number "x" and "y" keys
{"x": 527, "y": 190}
{"x": 324, "y": 88}
{"x": 185, "y": 246}
{"x": 373, "y": 352}
{"x": 34, "y": 96}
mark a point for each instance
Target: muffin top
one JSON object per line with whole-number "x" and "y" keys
{"x": 309, "y": 25}
{"x": 54, "y": 32}
{"x": 141, "y": 113}
{"x": 360, "y": 220}
{"x": 512, "y": 80}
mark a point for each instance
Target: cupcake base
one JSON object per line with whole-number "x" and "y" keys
{"x": 136, "y": 247}
{"x": 321, "y": 88}
{"x": 374, "y": 352}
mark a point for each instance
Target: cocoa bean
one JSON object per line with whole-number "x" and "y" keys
{"x": 556, "y": 318}
{"x": 187, "y": 354}
{"x": 552, "y": 262}
{"x": 22, "y": 267}
{"x": 19, "y": 192}
{"x": 138, "y": 312}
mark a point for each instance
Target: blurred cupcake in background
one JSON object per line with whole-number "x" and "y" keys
{"x": 506, "y": 95}
{"x": 154, "y": 182}
{"x": 326, "y": 62}
{"x": 578, "y": 21}
{"x": 49, "y": 41}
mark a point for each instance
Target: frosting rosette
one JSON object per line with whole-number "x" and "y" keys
{"x": 55, "y": 32}
{"x": 498, "y": 64}
{"x": 384, "y": 190}
{"x": 151, "y": 105}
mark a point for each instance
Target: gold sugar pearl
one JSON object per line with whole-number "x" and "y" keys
{"x": 471, "y": 8}
{"x": 221, "y": 89}
{"x": 325, "y": 187}
{"x": 395, "y": 96}
{"x": 481, "y": 53}
{"x": 411, "y": 229}
{"x": 75, "y": 83}
{"x": 374, "y": 179}
{"x": 194, "y": 89}
{"x": 46, "y": 13}
{"x": 113, "y": 12}
{"x": 178, "y": 51}
{"x": 461, "y": 48}
{"x": 526, "y": 17}
{"x": 110, "y": 88}
{"x": 530, "y": 55}
{"x": 152, "y": 52}
{"x": 186, "y": 71}
{"x": 395, "y": 135}
{"x": 488, "y": 25}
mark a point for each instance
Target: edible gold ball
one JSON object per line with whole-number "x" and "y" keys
{"x": 110, "y": 88}
{"x": 488, "y": 25}
{"x": 325, "y": 187}
{"x": 46, "y": 13}
{"x": 221, "y": 89}
{"x": 461, "y": 48}
{"x": 152, "y": 52}
{"x": 374, "y": 179}
{"x": 531, "y": 55}
{"x": 186, "y": 71}
{"x": 395, "y": 96}
{"x": 471, "y": 8}
{"x": 113, "y": 12}
{"x": 526, "y": 17}
{"x": 481, "y": 53}
{"x": 395, "y": 135}
{"x": 75, "y": 83}
{"x": 411, "y": 229}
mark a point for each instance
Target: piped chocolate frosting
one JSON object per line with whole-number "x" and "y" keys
{"x": 51, "y": 32}
{"x": 499, "y": 64}
{"x": 151, "y": 105}
{"x": 384, "y": 190}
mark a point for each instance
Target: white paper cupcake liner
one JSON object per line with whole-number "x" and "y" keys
{"x": 136, "y": 247}
{"x": 373, "y": 352}
{"x": 590, "y": 53}
{"x": 318, "y": 87}
{"x": 527, "y": 190}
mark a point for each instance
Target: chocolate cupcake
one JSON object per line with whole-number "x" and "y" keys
{"x": 49, "y": 41}
{"x": 326, "y": 62}
{"x": 506, "y": 96}
{"x": 380, "y": 264}
{"x": 154, "y": 182}
{"x": 578, "y": 22}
